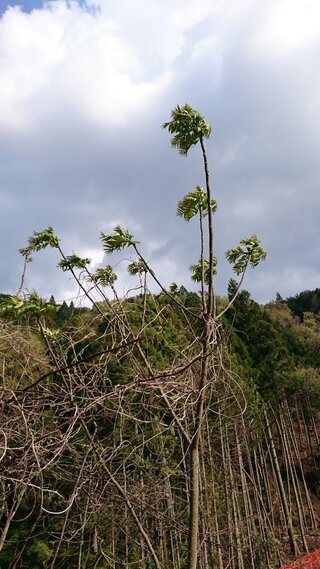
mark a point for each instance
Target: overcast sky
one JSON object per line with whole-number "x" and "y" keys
{"x": 84, "y": 89}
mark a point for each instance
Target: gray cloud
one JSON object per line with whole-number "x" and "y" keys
{"x": 84, "y": 95}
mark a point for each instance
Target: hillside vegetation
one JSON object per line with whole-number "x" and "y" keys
{"x": 89, "y": 441}
{"x": 176, "y": 430}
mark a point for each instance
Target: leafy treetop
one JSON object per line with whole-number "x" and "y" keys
{"x": 249, "y": 252}
{"x": 119, "y": 239}
{"x": 188, "y": 127}
{"x": 40, "y": 240}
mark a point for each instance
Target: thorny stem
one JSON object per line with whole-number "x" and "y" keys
{"x": 211, "y": 301}
{"x": 27, "y": 259}
{"x": 209, "y": 337}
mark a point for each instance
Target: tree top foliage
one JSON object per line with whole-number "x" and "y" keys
{"x": 188, "y": 127}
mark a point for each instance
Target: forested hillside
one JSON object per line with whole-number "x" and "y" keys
{"x": 166, "y": 430}
{"x": 91, "y": 449}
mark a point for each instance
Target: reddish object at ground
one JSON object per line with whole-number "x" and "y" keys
{"x": 310, "y": 561}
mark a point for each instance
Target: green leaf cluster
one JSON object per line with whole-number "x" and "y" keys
{"x": 40, "y": 240}
{"x": 116, "y": 241}
{"x": 188, "y": 127}
{"x": 14, "y": 307}
{"x": 104, "y": 276}
{"x": 137, "y": 268}
{"x": 194, "y": 203}
{"x": 198, "y": 270}
{"x": 249, "y": 252}
{"x": 73, "y": 262}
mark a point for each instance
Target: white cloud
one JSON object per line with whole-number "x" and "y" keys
{"x": 95, "y": 255}
{"x": 63, "y": 57}
{"x": 85, "y": 90}
{"x": 288, "y": 26}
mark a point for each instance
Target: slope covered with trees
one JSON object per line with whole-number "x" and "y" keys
{"x": 171, "y": 430}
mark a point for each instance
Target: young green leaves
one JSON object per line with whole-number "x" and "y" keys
{"x": 119, "y": 239}
{"x": 249, "y": 252}
{"x": 137, "y": 268}
{"x": 33, "y": 307}
{"x": 73, "y": 262}
{"x": 40, "y": 240}
{"x": 202, "y": 271}
{"x": 194, "y": 203}
{"x": 188, "y": 127}
{"x": 104, "y": 276}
